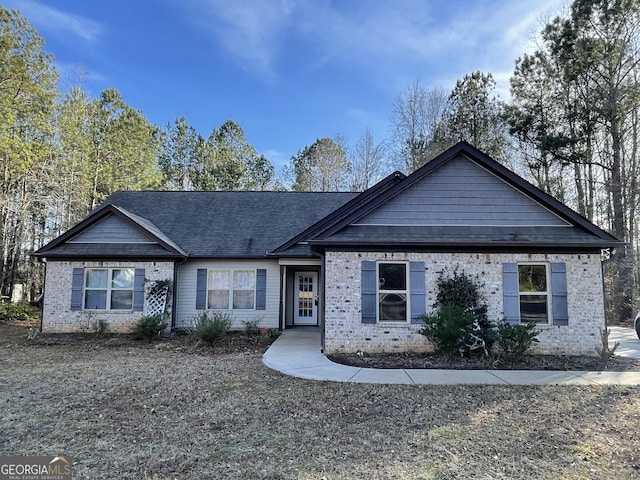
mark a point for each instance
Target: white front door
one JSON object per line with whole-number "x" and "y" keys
{"x": 306, "y": 299}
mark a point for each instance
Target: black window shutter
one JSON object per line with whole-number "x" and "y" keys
{"x": 261, "y": 289}
{"x": 417, "y": 291}
{"x": 510, "y": 293}
{"x": 559, "y": 293}
{"x": 138, "y": 290}
{"x": 76, "y": 288}
{"x": 201, "y": 289}
{"x": 369, "y": 292}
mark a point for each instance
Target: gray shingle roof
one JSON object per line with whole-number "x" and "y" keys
{"x": 229, "y": 224}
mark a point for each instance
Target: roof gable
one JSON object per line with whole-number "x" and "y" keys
{"x": 464, "y": 199}
{"x": 112, "y": 231}
{"x": 461, "y": 192}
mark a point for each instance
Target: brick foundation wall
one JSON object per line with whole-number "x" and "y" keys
{"x": 344, "y": 331}
{"x": 57, "y": 315}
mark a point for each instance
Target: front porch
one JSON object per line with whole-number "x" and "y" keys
{"x": 300, "y": 293}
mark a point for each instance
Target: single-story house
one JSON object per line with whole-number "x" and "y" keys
{"x": 361, "y": 266}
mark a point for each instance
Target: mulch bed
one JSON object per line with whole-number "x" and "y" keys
{"x": 445, "y": 361}
{"x": 234, "y": 342}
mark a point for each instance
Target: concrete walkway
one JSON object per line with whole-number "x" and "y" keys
{"x": 297, "y": 353}
{"x": 629, "y": 342}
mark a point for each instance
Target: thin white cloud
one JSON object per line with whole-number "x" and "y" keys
{"x": 511, "y": 31}
{"x": 390, "y": 40}
{"x": 372, "y": 33}
{"x": 250, "y": 31}
{"x": 256, "y": 32}
{"x": 56, "y": 21}
{"x": 488, "y": 37}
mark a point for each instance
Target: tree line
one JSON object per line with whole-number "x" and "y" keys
{"x": 570, "y": 127}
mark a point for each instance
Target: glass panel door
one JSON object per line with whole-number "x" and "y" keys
{"x": 306, "y": 299}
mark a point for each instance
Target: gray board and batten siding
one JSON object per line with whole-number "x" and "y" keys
{"x": 459, "y": 193}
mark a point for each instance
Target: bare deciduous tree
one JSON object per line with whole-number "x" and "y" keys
{"x": 368, "y": 162}
{"x": 416, "y": 125}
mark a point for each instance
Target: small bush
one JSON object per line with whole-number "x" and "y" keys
{"x": 460, "y": 321}
{"x": 149, "y": 327}
{"x": 515, "y": 340}
{"x": 210, "y": 327}
{"x": 462, "y": 290}
{"x": 448, "y": 328}
{"x": 32, "y": 333}
{"x": 252, "y": 327}
{"x": 17, "y": 311}
{"x": 102, "y": 326}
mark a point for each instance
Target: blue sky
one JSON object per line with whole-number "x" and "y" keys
{"x": 288, "y": 71}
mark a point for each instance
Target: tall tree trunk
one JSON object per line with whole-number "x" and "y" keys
{"x": 577, "y": 176}
{"x": 622, "y": 301}
{"x": 632, "y": 203}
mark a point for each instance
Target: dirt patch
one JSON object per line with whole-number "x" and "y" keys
{"x": 130, "y": 410}
{"x": 444, "y": 361}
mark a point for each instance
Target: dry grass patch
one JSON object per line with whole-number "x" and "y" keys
{"x": 132, "y": 411}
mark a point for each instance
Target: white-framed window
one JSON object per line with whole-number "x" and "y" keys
{"x": 393, "y": 291}
{"x": 231, "y": 289}
{"x": 534, "y": 294}
{"x": 108, "y": 288}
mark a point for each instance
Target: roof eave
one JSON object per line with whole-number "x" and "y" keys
{"x": 489, "y": 244}
{"x": 292, "y": 255}
{"x": 228, "y": 257}
{"x": 66, "y": 256}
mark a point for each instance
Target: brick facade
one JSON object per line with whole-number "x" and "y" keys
{"x": 344, "y": 331}
{"x": 57, "y": 315}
